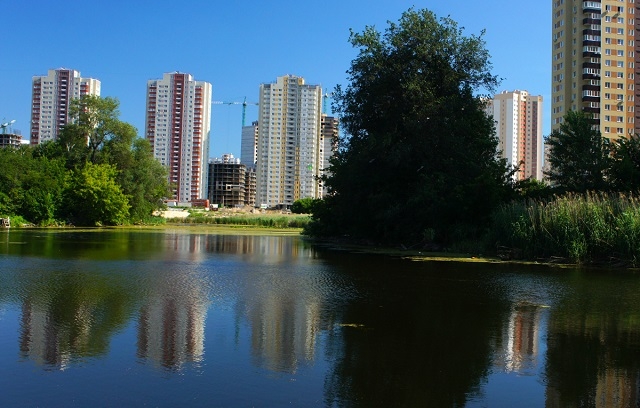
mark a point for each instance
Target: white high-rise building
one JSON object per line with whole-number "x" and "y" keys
{"x": 178, "y": 123}
{"x": 51, "y": 96}
{"x": 289, "y": 156}
{"x": 518, "y": 118}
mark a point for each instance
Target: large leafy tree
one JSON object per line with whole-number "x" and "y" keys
{"x": 417, "y": 158}
{"x": 94, "y": 122}
{"x": 578, "y": 155}
{"x": 94, "y": 198}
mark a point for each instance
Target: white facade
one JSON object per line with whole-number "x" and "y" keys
{"x": 178, "y": 124}
{"x": 518, "y": 118}
{"x": 289, "y": 154}
{"x": 51, "y": 96}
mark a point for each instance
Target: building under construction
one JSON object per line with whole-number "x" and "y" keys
{"x": 231, "y": 184}
{"x": 10, "y": 140}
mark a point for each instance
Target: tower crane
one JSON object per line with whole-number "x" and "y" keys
{"x": 324, "y": 101}
{"x": 244, "y": 107}
{"x": 5, "y": 125}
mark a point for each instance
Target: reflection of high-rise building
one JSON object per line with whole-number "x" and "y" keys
{"x": 178, "y": 122}
{"x": 171, "y": 321}
{"x": 39, "y": 337}
{"x": 51, "y": 97}
{"x": 617, "y": 388}
{"x": 521, "y": 340}
{"x": 283, "y": 331}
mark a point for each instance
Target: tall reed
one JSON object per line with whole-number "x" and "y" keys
{"x": 581, "y": 228}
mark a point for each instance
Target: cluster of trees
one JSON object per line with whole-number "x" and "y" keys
{"x": 98, "y": 172}
{"x": 582, "y": 160}
{"x": 417, "y": 160}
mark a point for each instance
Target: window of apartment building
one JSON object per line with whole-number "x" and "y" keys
{"x": 607, "y": 118}
{"x": 607, "y": 129}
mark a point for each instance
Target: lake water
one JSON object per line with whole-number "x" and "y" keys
{"x": 177, "y": 318}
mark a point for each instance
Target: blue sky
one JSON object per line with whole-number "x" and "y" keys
{"x": 237, "y": 45}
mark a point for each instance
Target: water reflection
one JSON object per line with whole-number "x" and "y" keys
{"x": 171, "y": 320}
{"x": 66, "y": 317}
{"x": 372, "y": 331}
{"x": 517, "y": 350}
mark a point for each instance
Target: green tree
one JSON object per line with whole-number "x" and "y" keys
{"x": 94, "y": 121}
{"x": 30, "y": 186}
{"x": 94, "y": 198}
{"x": 418, "y": 153}
{"x": 143, "y": 179}
{"x": 625, "y": 165}
{"x": 578, "y": 155}
{"x": 303, "y": 205}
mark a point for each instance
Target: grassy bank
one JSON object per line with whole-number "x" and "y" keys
{"x": 592, "y": 228}
{"x": 254, "y": 220}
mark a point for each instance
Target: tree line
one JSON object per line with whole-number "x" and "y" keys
{"x": 97, "y": 172}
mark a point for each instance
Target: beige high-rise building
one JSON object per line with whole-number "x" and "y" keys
{"x": 594, "y": 62}
{"x": 289, "y": 151}
{"x": 178, "y": 123}
{"x": 518, "y": 118}
{"x": 51, "y": 96}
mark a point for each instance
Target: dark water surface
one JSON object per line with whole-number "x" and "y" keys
{"x": 196, "y": 319}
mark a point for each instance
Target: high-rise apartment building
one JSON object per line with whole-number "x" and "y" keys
{"x": 249, "y": 145}
{"x": 594, "y": 63}
{"x": 518, "y": 118}
{"x": 178, "y": 123}
{"x": 329, "y": 142}
{"x": 289, "y": 154}
{"x": 51, "y": 96}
